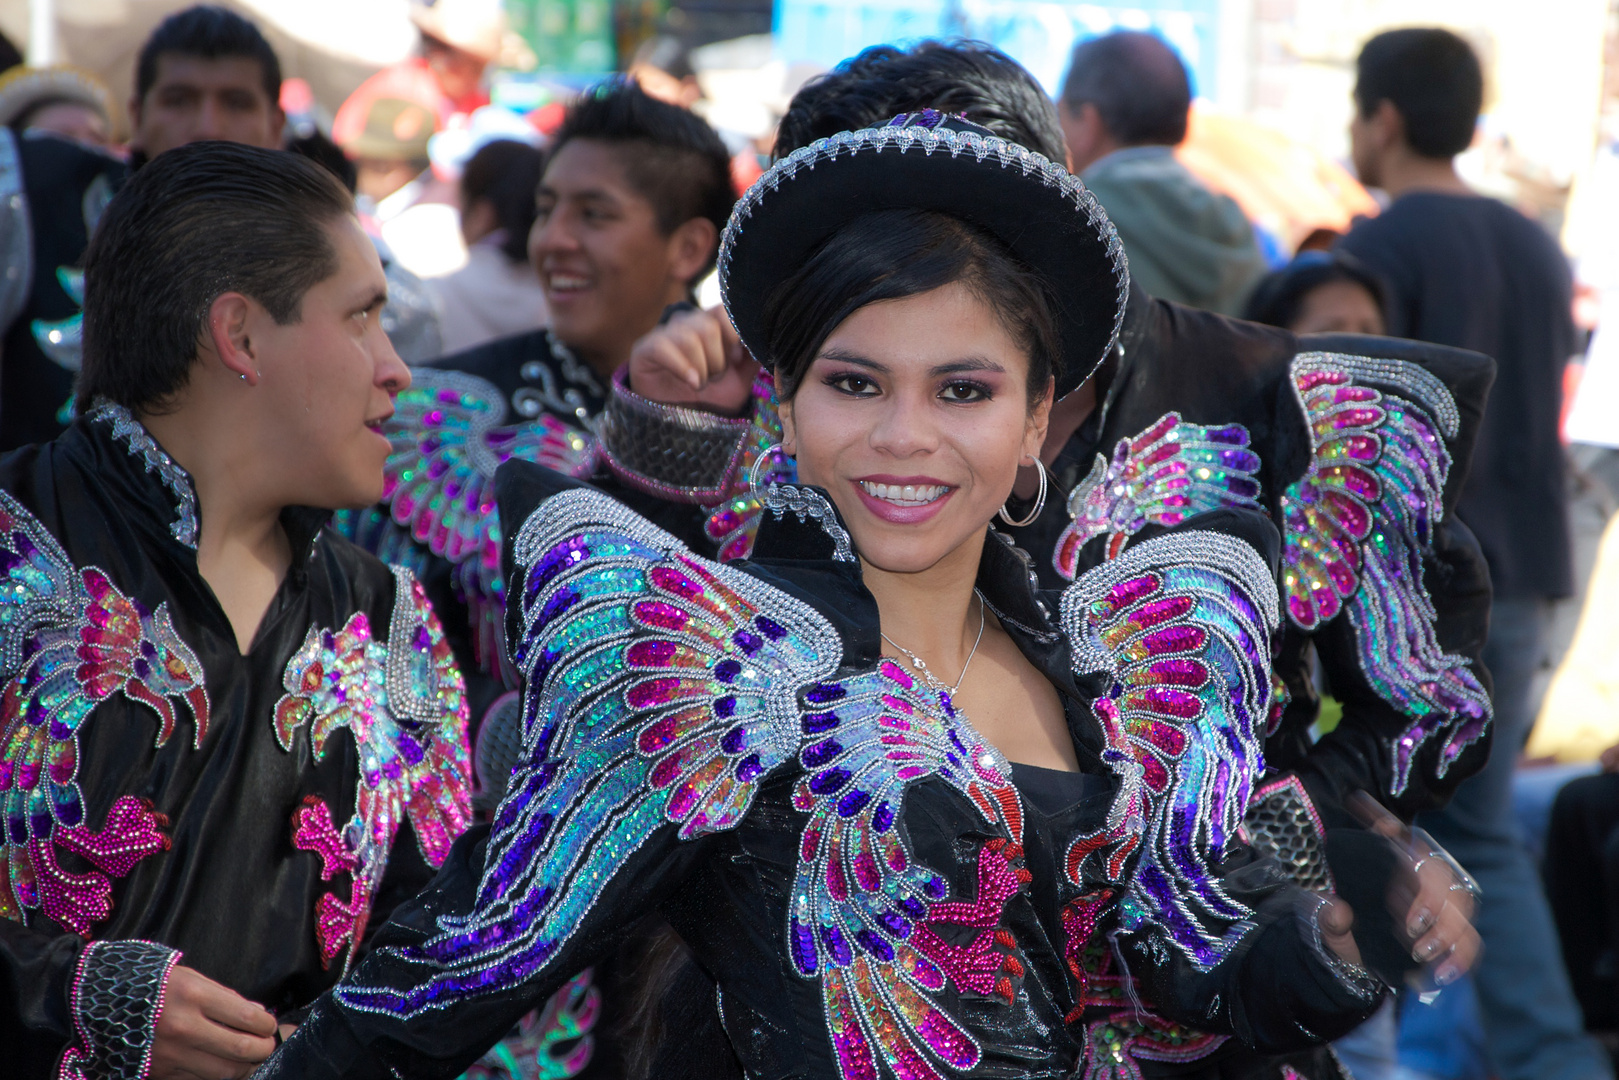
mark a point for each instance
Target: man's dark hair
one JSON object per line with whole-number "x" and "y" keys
{"x": 893, "y": 254}
{"x": 504, "y": 174}
{"x": 1279, "y": 296}
{"x": 674, "y": 160}
{"x": 1137, "y": 83}
{"x": 1435, "y": 82}
{"x": 202, "y": 220}
{"x": 966, "y": 77}
{"x": 209, "y": 33}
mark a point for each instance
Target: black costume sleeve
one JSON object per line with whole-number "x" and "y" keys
{"x": 1174, "y": 638}
{"x": 1399, "y": 643}
{"x": 36, "y": 982}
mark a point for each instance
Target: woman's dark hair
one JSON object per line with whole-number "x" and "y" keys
{"x": 201, "y": 220}
{"x": 1279, "y": 296}
{"x": 967, "y": 77}
{"x": 893, "y": 254}
{"x": 504, "y": 174}
{"x": 1434, "y": 80}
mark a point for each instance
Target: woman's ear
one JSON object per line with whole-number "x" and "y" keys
{"x": 1039, "y": 421}
{"x": 789, "y": 431}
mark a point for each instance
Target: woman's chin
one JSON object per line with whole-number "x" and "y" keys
{"x": 901, "y": 549}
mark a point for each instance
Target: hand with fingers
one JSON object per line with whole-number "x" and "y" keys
{"x": 1431, "y": 900}
{"x": 207, "y": 1031}
{"x": 694, "y": 358}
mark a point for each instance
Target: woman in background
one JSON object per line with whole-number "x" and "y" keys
{"x": 497, "y": 294}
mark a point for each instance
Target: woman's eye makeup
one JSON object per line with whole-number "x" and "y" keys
{"x": 964, "y": 391}
{"x": 851, "y": 383}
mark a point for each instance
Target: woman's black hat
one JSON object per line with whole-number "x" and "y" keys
{"x": 931, "y": 161}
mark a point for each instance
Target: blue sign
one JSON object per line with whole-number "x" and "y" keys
{"x": 1039, "y": 34}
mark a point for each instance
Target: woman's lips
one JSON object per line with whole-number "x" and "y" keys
{"x": 903, "y": 503}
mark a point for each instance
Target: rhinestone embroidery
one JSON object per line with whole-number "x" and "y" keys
{"x": 69, "y": 640}
{"x": 1355, "y": 529}
{"x": 734, "y": 522}
{"x": 661, "y": 689}
{"x": 658, "y": 692}
{"x": 449, "y": 436}
{"x": 405, "y": 705}
{"x": 1163, "y": 476}
{"x": 554, "y": 1043}
{"x": 176, "y": 479}
{"x": 1181, "y": 623}
{"x": 118, "y": 992}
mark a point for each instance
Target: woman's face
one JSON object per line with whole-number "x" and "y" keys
{"x": 914, "y": 416}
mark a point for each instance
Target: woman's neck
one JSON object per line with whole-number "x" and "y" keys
{"x": 932, "y": 612}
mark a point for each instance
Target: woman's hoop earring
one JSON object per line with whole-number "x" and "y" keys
{"x": 1039, "y": 501}
{"x": 758, "y": 463}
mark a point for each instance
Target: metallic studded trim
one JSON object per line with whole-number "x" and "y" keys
{"x": 1413, "y": 380}
{"x": 117, "y": 997}
{"x": 16, "y": 235}
{"x": 806, "y": 502}
{"x": 673, "y": 452}
{"x": 1282, "y": 822}
{"x": 929, "y": 141}
{"x": 175, "y": 478}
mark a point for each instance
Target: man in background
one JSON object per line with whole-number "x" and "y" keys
{"x": 1469, "y": 271}
{"x": 1124, "y": 108}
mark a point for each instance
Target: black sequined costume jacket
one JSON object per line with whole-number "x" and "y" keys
{"x": 875, "y": 889}
{"x": 165, "y": 797}
{"x": 1356, "y": 447}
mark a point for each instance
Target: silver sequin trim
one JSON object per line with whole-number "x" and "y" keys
{"x": 1233, "y": 559}
{"x": 805, "y": 502}
{"x": 176, "y": 479}
{"x": 1417, "y": 382}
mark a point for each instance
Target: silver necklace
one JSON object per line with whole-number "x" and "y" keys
{"x": 921, "y": 665}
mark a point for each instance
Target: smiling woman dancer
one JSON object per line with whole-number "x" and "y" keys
{"x": 887, "y": 793}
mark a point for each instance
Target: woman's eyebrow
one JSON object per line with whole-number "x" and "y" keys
{"x": 969, "y": 363}
{"x": 952, "y": 367}
{"x": 844, "y": 356}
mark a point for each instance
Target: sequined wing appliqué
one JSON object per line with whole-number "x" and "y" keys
{"x": 449, "y": 435}
{"x": 69, "y": 640}
{"x": 865, "y": 916}
{"x": 1163, "y": 476}
{"x": 1356, "y": 527}
{"x": 1181, "y": 623}
{"x": 662, "y": 688}
{"x": 404, "y": 703}
{"x": 734, "y": 522}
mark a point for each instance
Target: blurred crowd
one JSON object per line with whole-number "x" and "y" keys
{"x": 535, "y": 249}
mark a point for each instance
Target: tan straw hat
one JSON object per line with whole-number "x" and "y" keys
{"x": 477, "y": 27}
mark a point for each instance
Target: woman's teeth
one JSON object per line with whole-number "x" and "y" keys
{"x": 904, "y": 494}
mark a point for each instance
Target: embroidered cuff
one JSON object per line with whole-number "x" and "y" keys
{"x": 1282, "y": 822}
{"x": 1358, "y": 981}
{"x": 670, "y": 451}
{"x": 117, "y": 996}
